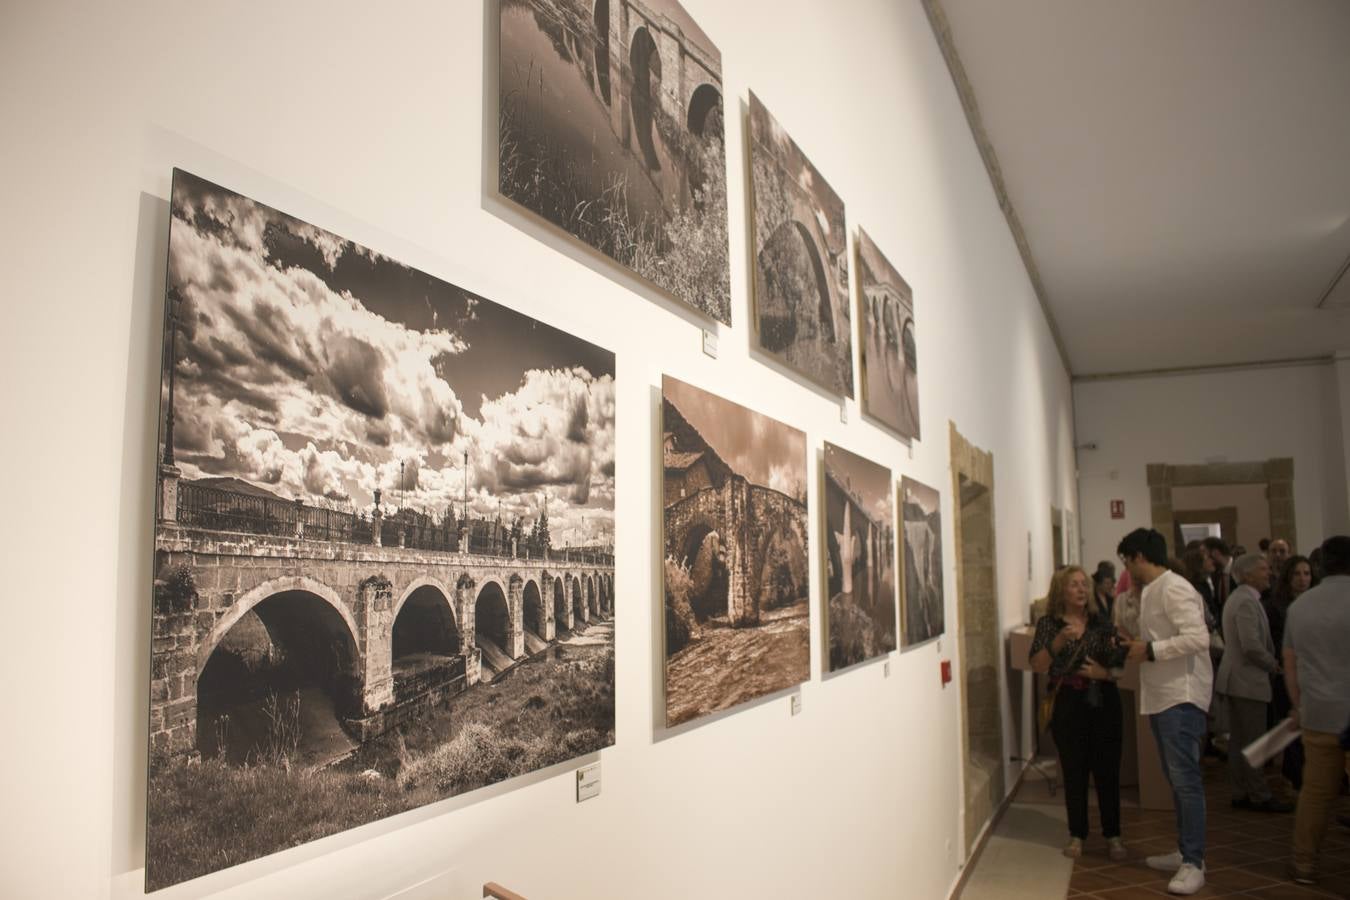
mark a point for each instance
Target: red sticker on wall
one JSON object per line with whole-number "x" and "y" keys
{"x": 1117, "y": 509}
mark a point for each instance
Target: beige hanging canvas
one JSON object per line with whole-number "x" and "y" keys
{"x": 801, "y": 260}
{"x": 890, "y": 369}
{"x": 922, "y": 608}
{"x": 383, "y": 562}
{"x": 736, "y": 611}
{"x": 610, "y": 128}
{"x": 859, "y": 558}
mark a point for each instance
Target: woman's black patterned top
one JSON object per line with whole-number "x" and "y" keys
{"x": 1098, "y": 636}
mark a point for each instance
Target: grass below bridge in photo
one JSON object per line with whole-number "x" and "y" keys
{"x": 210, "y": 815}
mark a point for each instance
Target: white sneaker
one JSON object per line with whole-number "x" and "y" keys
{"x": 1168, "y": 862}
{"x": 1188, "y": 880}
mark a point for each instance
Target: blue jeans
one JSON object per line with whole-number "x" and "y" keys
{"x": 1180, "y": 732}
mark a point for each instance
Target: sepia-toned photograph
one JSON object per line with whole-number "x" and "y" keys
{"x": 384, "y": 564}
{"x": 737, "y": 611}
{"x": 801, "y": 259}
{"x": 922, "y": 610}
{"x": 859, "y": 558}
{"x": 890, "y": 372}
{"x": 610, "y": 127}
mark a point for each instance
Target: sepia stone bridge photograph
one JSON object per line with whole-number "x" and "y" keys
{"x": 736, "y": 570}
{"x": 383, "y": 546}
{"x": 373, "y": 632}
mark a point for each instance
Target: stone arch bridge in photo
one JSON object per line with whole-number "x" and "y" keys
{"x": 752, "y": 523}
{"x": 369, "y": 611}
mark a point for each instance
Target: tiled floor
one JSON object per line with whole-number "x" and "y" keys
{"x": 1246, "y": 853}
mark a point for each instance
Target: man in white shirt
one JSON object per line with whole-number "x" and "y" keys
{"x": 1175, "y": 682}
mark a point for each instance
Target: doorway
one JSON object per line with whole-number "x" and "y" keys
{"x": 1261, "y": 493}
{"x": 977, "y": 619}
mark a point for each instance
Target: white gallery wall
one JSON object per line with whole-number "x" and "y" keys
{"x": 1234, "y": 416}
{"x": 374, "y": 121}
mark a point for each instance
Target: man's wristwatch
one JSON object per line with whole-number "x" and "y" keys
{"x": 1148, "y": 651}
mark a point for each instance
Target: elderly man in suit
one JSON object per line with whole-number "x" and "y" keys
{"x": 1244, "y": 680}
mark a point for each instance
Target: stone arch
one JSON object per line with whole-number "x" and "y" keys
{"x": 705, "y": 106}
{"x": 703, "y": 551}
{"x": 604, "y": 594}
{"x": 426, "y": 581}
{"x": 890, "y": 331}
{"x": 644, "y": 60}
{"x": 287, "y": 646}
{"x": 532, "y": 609}
{"x": 592, "y": 598}
{"x": 424, "y": 621}
{"x": 600, "y": 16}
{"x": 908, "y": 346}
{"x": 578, "y": 603}
{"x": 260, "y": 593}
{"x": 779, "y": 568}
{"x": 792, "y": 254}
{"x": 559, "y": 604}
{"x": 492, "y": 615}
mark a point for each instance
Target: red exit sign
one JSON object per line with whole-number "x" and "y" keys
{"x": 1117, "y": 509}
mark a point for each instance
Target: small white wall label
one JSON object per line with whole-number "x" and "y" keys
{"x": 796, "y": 703}
{"x": 588, "y": 782}
{"x": 710, "y": 342}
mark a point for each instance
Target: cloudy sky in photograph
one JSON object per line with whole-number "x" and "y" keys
{"x": 870, "y": 483}
{"x": 798, "y": 172}
{"x": 916, "y": 492}
{"x": 313, "y": 367}
{"x": 764, "y": 450}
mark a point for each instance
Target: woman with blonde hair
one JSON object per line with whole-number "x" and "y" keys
{"x": 1077, "y": 646}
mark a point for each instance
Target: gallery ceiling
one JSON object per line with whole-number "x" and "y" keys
{"x": 1180, "y": 171}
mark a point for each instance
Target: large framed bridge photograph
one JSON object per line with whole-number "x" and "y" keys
{"x": 859, "y": 558}
{"x": 736, "y": 610}
{"x": 889, "y": 358}
{"x": 801, "y": 259}
{"x": 922, "y": 606}
{"x": 377, "y": 494}
{"x": 610, "y": 127}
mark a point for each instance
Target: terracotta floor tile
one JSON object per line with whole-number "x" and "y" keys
{"x": 1238, "y": 879}
{"x": 1133, "y": 892}
{"x": 1289, "y": 891}
{"x": 1136, "y": 873}
{"x": 1237, "y": 855}
{"x": 1092, "y": 880}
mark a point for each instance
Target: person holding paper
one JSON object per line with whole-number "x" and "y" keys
{"x": 1317, "y": 673}
{"x": 1175, "y": 680}
{"x": 1244, "y": 681}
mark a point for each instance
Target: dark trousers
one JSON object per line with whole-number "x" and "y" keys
{"x": 1089, "y": 739}
{"x": 1246, "y": 723}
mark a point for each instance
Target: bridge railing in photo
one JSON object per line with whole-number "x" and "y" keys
{"x": 222, "y": 510}
{"x": 421, "y": 535}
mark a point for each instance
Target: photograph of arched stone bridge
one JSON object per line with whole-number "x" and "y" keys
{"x": 859, "y": 558}
{"x": 736, "y": 609}
{"x": 889, "y": 360}
{"x": 610, "y": 126}
{"x": 922, "y": 609}
{"x": 801, "y": 259}
{"x": 384, "y": 569}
